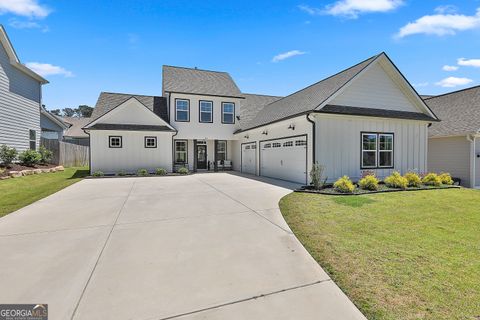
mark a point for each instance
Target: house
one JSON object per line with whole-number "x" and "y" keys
{"x": 52, "y": 127}
{"x": 454, "y": 143}
{"x": 74, "y": 133}
{"x": 20, "y": 99}
{"x": 367, "y": 117}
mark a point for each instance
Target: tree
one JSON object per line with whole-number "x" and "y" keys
{"x": 68, "y": 112}
{"x": 84, "y": 111}
{"x": 56, "y": 112}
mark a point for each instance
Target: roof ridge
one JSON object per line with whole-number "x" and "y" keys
{"x": 195, "y": 69}
{"x": 131, "y": 94}
{"x": 453, "y": 92}
{"x": 264, "y": 95}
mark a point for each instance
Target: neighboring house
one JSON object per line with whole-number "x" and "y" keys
{"x": 52, "y": 127}
{"x": 20, "y": 99}
{"x": 74, "y": 133}
{"x": 454, "y": 143}
{"x": 367, "y": 117}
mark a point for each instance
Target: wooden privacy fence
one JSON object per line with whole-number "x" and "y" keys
{"x": 67, "y": 154}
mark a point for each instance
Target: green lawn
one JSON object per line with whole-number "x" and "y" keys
{"x": 19, "y": 192}
{"x": 405, "y": 255}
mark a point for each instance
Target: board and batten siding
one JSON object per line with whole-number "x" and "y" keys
{"x": 133, "y": 155}
{"x": 20, "y": 100}
{"x": 452, "y": 155}
{"x": 374, "y": 89}
{"x": 338, "y": 141}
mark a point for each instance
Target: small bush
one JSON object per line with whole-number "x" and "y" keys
{"x": 344, "y": 185}
{"x": 369, "y": 182}
{"x": 142, "y": 172}
{"x": 98, "y": 174}
{"x": 121, "y": 173}
{"x": 30, "y": 157}
{"x": 316, "y": 176}
{"x": 446, "y": 178}
{"x": 182, "y": 170}
{"x": 432, "y": 179}
{"x": 7, "y": 155}
{"x": 413, "y": 179}
{"x": 395, "y": 180}
{"x": 45, "y": 155}
{"x": 160, "y": 171}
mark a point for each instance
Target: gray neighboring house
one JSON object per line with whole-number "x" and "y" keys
{"x": 74, "y": 133}
{"x": 20, "y": 99}
{"x": 52, "y": 127}
{"x": 454, "y": 143}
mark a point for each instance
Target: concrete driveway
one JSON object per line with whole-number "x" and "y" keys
{"x": 206, "y": 246}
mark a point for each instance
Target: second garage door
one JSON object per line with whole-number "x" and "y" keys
{"x": 284, "y": 159}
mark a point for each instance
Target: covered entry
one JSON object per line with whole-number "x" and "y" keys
{"x": 284, "y": 158}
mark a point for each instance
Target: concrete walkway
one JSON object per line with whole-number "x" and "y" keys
{"x": 206, "y": 246}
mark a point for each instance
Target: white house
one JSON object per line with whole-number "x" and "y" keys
{"x": 367, "y": 117}
{"x": 20, "y": 99}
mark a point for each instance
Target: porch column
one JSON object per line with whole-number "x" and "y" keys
{"x": 215, "y": 146}
{"x": 194, "y": 155}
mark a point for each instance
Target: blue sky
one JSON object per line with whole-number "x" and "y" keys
{"x": 85, "y": 47}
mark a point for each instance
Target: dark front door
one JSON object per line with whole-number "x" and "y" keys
{"x": 201, "y": 156}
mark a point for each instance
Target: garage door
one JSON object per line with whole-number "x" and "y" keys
{"x": 249, "y": 162}
{"x": 284, "y": 159}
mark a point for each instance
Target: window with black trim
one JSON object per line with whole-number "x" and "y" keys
{"x": 150, "y": 142}
{"x": 206, "y": 111}
{"x": 33, "y": 139}
{"x": 377, "y": 150}
{"x": 181, "y": 151}
{"x": 182, "y": 110}
{"x": 276, "y": 145}
{"x": 222, "y": 150}
{"x": 115, "y": 141}
{"x": 228, "y": 112}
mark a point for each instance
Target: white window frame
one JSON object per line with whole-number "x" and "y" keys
{"x": 200, "y": 111}
{"x": 32, "y": 140}
{"x": 151, "y": 138}
{"x": 177, "y": 110}
{"x": 176, "y": 151}
{"x": 224, "y": 112}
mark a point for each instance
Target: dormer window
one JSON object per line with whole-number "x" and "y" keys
{"x": 228, "y": 112}
{"x": 206, "y": 111}
{"x": 182, "y": 110}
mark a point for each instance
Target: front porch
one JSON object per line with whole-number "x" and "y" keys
{"x": 202, "y": 155}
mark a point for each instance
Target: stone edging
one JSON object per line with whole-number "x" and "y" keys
{"x": 29, "y": 172}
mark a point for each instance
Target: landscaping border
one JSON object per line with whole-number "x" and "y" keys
{"x": 364, "y": 192}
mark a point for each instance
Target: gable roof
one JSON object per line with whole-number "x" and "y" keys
{"x": 57, "y": 120}
{"x": 14, "y": 60}
{"x": 197, "y": 81}
{"x": 251, "y": 106}
{"x": 76, "y": 124}
{"x": 109, "y": 100}
{"x": 459, "y": 111}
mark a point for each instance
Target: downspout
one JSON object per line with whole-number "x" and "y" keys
{"x": 471, "y": 139}
{"x": 173, "y": 151}
{"x": 89, "y": 150}
{"x": 314, "y": 149}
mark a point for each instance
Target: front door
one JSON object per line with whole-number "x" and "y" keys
{"x": 201, "y": 156}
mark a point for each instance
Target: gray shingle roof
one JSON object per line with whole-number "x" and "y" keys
{"x": 306, "y": 99}
{"x": 251, "y": 105}
{"x": 76, "y": 124}
{"x": 187, "y": 80}
{"x": 459, "y": 112}
{"x": 128, "y": 127}
{"x": 371, "y": 112}
{"x": 109, "y": 100}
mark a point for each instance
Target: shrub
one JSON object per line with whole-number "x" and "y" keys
{"x": 316, "y": 176}
{"x": 142, "y": 172}
{"x": 121, "y": 173}
{"x": 344, "y": 185}
{"x": 7, "y": 155}
{"x": 369, "y": 182}
{"x": 30, "y": 157}
{"x": 98, "y": 174}
{"x": 413, "y": 179}
{"x": 432, "y": 179}
{"x": 182, "y": 170}
{"x": 395, "y": 180}
{"x": 45, "y": 155}
{"x": 160, "y": 171}
{"x": 446, "y": 178}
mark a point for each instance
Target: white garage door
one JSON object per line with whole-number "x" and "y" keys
{"x": 249, "y": 162}
{"x": 284, "y": 159}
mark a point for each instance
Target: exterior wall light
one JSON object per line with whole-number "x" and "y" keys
{"x": 291, "y": 126}
{"x": 265, "y": 132}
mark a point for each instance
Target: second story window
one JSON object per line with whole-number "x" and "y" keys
{"x": 206, "y": 111}
{"x": 182, "y": 110}
{"x": 228, "y": 112}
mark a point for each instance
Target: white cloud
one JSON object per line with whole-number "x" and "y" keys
{"x": 441, "y": 24}
{"x": 469, "y": 62}
{"x": 449, "y": 68}
{"x": 446, "y": 9}
{"x": 353, "y": 8}
{"x": 26, "y": 8}
{"x": 452, "y": 82}
{"x": 27, "y": 24}
{"x": 286, "y": 55}
{"x": 46, "y": 69}
{"x": 310, "y": 10}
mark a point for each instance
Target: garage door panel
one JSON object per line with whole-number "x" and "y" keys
{"x": 249, "y": 163}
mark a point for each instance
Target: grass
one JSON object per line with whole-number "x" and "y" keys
{"x": 20, "y": 192}
{"x": 406, "y": 255}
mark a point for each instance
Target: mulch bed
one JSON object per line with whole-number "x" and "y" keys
{"x": 20, "y": 167}
{"x": 329, "y": 190}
